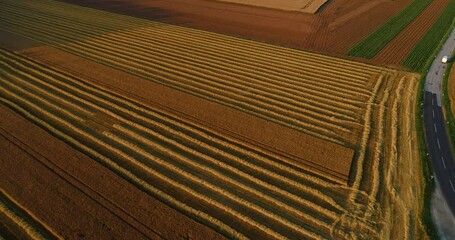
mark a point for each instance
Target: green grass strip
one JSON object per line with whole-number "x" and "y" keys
{"x": 376, "y": 41}
{"x": 423, "y": 53}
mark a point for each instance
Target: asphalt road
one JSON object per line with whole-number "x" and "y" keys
{"x": 438, "y": 142}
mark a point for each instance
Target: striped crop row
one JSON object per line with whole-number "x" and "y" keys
{"x": 314, "y": 94}
{"x": 161, "y": 153}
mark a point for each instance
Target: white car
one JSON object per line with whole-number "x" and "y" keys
{"x": 445, "y": 59}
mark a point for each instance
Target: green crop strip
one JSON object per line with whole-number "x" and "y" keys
{"x": 372, "y": 44}
{"x": 423, "y": 53}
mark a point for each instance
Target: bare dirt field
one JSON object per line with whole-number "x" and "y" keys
{"x": 306, "y": 6}
{"x": 399, "y": 48}
{"x": 338, "y": 26}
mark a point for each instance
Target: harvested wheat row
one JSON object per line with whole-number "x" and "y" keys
{"x": 214, "y": 188}
{"x": 310, "y": 191}
{"x": 252, "y": 94}
{"x": 335, "y": 108}
{"x": 126, "y": 173}
{"x": 128, "y": 22}
{"x": 393, "y": 154}
{"x": 267, "y": 76}
{"x": 225, "y": 177}
{"x": 85, "y": 134}
{"x": 263, "y": 82}
{"x": 219, "y": 63}
{"x": 294, "y": 226}
{"x": 364, "y": 139}
{"x": 129, "y": 36}
{"x": 246, "y": 67}
{"x": 31, "y": 232}
{"x": 131, "y": 123}
{"x": 79, "y": 91}
{"x": 38, "y": 99}
{"x": 265, "y": 113}
{"x": 208, "y": 147}
{"x": 298, "y": 70}
{"x": 379, "y": 148}
{"x": 198, "y": 78}
{"x": 6, "y": 69}
{"x": 408, "y": 107}
{"x": 42, "y": 231}
{"x": 147, "y": 120}
{"x": 307, "y": 125}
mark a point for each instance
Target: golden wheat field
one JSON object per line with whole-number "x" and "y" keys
{"x": 361, "y": 190}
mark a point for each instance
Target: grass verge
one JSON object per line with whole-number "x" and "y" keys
{"x": 447, "y": 103}
{"x": 376, "y": 41}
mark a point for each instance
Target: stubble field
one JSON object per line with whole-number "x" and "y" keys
{"x": 240, "y": 190}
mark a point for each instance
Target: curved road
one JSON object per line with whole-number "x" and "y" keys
{"x": 438, "y": 142}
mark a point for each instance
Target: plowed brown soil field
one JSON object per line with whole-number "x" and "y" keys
{"x": 338, "y": 26}
{"x": 399, "y": 48}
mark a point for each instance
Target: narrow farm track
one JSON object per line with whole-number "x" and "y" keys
{"x": 280, "y": 85}
{"x": 399, "y": 48}
{"x": 259, "y": 190}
